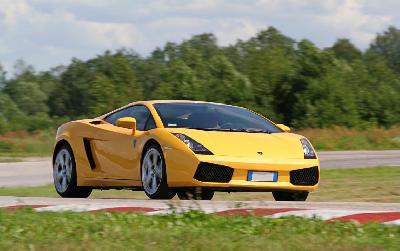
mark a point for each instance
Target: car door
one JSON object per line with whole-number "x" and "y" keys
{"x": 116, "y": 147}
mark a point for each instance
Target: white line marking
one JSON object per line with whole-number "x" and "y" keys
{"x": 396, "y": 222}
{"x": 185, "y": 210}
{"x": 319, "y": 214}
{"x": 72, "y": 208}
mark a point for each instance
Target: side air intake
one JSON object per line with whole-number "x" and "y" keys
{"x": 89, "y": 153}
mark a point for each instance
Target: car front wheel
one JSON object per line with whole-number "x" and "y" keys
{"x": 154, "y": 175}
{"x": 65, "y": 177}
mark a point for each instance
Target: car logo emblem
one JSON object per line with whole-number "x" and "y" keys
{"x": 261, "y": 153}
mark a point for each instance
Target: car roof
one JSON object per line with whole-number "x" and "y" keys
{"x": 151, "y": 102}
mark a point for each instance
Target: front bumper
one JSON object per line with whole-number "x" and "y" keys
{"x": 181, "y": 172}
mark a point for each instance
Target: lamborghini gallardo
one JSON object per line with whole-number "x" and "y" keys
{"x": 186, "y": 148}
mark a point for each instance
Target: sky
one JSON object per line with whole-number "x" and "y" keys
{"x": 47, "y": 33}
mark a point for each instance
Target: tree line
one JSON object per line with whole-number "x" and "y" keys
{"x": 289, "y": 81}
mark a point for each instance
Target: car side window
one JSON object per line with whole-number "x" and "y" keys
{"x": 150, "y": 124}
{"x": 112, "y": 118}
{"x": 139, "y": 112}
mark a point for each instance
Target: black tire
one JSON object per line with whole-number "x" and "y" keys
{"x": 163, "y": 192}
{"x": 72, "y": 190}
{"x": 196, "y": 194}
{"x": 290, "y": 195}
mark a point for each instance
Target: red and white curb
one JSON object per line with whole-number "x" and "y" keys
{"x": 359, "y": 216}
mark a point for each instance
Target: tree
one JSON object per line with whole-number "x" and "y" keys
{"x": 226, "y": 84}
{"x": 320, "y": 95}
{"x": 179, "y": 81}
{"x": 326, "y": 101}
{"x": 379, "y": 93}
{"x": 118, "y": 70}
{"x": 2, "y": 77}
{"x": 269, "y": 62}
{"x": 10, "y": 116}
{"x": 28, "y": 96}
{"x": 74, "y": 97}
{"x": 344, "y": 49}
{"x": 21, "y": 68}
{"x": 103, "y": 95}
{"x": 387, "y": 45}
{"x": 70, "y": 97}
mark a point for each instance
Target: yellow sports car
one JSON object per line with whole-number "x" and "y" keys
{"x": 188, "y": 148}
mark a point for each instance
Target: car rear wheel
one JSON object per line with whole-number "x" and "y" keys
{"x": 64, "y": 175}
{"x": 196, "y": 194}
{"x": 290, "y": 196}
{"x": 154, "y": 174}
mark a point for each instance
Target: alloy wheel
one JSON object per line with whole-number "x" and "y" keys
{"x": 62, "y": 170}
{"x": 152, "y": 171}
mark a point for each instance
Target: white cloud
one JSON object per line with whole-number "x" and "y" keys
{"x": 235, "y": 29}
{"x": 349, "y": 19}
{"x": 46, "y": 33}
{"x": 11, "y": 11}
{"x": 46, "y": 39}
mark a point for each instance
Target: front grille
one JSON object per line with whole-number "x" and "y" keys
{"x": 208, "y": 172}
{"x": 305, "y": 177}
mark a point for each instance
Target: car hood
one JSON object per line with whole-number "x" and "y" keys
{"x": 274, "y": 145}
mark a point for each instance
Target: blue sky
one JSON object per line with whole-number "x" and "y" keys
{"x": 47, "y": 33}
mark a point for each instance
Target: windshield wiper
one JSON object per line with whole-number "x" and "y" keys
{"x": 254, "y": 130}
{"x": 250, "y": 130}
{"x": 215, "y": 129}
{"x": 229, "y": 129}
{"x": 202, "y": 128}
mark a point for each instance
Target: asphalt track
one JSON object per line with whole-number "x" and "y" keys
{"x": 38, "y": 171}
{"x": 361, "y": 212}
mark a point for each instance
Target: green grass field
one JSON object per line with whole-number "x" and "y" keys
{"x": 22, "y": 144}
{"x": 378, "y": 184}
{"x": 27, "y": 230}
{"x": 353, "y": 139}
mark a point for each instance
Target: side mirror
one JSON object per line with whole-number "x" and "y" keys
{"x": 283, "y": 127}
{"x": 128, "y": 123}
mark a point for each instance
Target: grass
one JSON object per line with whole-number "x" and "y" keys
{"x": 10, "y": 159}
{"x": 381, "y": 184}
{"x": 21, "y": 144}
{"x": 27, "y": 230}
{"x": 378, "y": 184}
{"x": 353, "y": 139}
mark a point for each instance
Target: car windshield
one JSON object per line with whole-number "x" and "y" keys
{"x": 213, "y": 117}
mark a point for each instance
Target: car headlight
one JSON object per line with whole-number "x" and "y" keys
{"x": 307, "y": 149}
{"x": 195, "y": 146}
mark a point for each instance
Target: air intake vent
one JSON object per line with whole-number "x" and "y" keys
{"x": 208, "y": 172}
{"x": 305, "y": 177}
{"x": 89, "y": 153}
{"x": 96, "y": 122}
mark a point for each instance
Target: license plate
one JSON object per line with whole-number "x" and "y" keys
{"x": 262, "y": 176}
